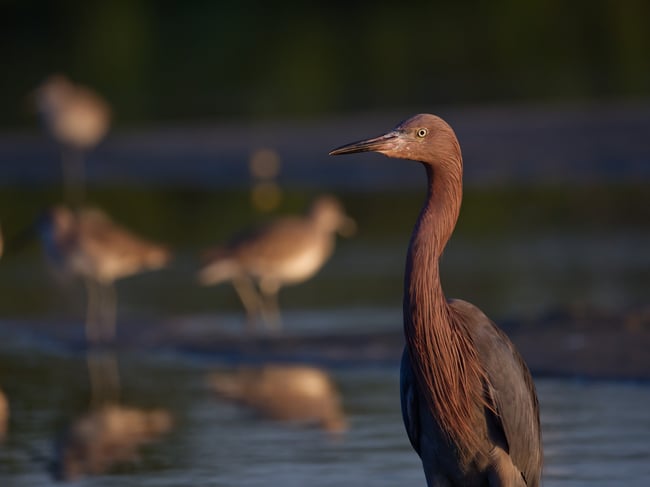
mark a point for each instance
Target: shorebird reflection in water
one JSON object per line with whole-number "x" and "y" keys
{"x": 103, "y": 438}
{"x": 86, "y": 243}
{"x": 286, "y": 251}
{"x": 77, "y": 119}
{"x": 291, "y": 393}
{"x": 468, "y": 400}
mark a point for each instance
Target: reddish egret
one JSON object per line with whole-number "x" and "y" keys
{"x": 286, "y": 251}
{"x": 77, "y": 118}
{"x": 468, "y": 400}
{"x": 293, "y": 393}
{"x": 88, "y": 244}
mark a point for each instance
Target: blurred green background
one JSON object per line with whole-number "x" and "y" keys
{"x": 166, "y": 60}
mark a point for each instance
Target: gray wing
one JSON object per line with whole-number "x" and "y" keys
{"x": 409, "y": 401}
{"x": 516, "y": 426}
{"x": 514, "y": 394}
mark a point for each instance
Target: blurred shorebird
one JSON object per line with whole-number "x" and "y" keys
{"x": 86, "y": 243}
{"x": 292, "y": 393}
{"x": 77, "y": 119}
{"x": 285, "y": 251}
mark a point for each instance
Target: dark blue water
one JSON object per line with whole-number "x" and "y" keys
{"x": 595, "y": 433}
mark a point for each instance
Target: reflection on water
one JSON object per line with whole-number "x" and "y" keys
{"x": 106, "y": 437}
{"x": 108, "y": 434}
{"x": 595, "y": 433}
{"x": 292, "y": 393}
{"x": 103, "y": 377}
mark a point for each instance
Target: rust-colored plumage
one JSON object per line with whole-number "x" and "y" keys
{"x": 468, "y": 400}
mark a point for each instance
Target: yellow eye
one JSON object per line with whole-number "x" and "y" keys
{"x": 422, "y": 132}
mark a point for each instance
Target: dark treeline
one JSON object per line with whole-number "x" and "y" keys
{"x": 163, "y": 60}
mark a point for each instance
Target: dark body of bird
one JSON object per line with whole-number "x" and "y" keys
{"x": 468, "y": 400}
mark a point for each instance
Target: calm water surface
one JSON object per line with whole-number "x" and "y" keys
{"x": 595, "y": 433}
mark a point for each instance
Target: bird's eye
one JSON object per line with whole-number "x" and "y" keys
{"x": 422, "y": 132}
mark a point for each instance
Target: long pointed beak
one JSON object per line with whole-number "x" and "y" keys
{"x": 382, "y": 143}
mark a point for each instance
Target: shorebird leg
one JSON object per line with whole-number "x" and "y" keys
{"x": 93, "y": 314}
{"x": 108, "y": 308}
{"x": 271, "y": 309}
{"x": 250, "y": 299}
{"x": 100, "y": 312}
